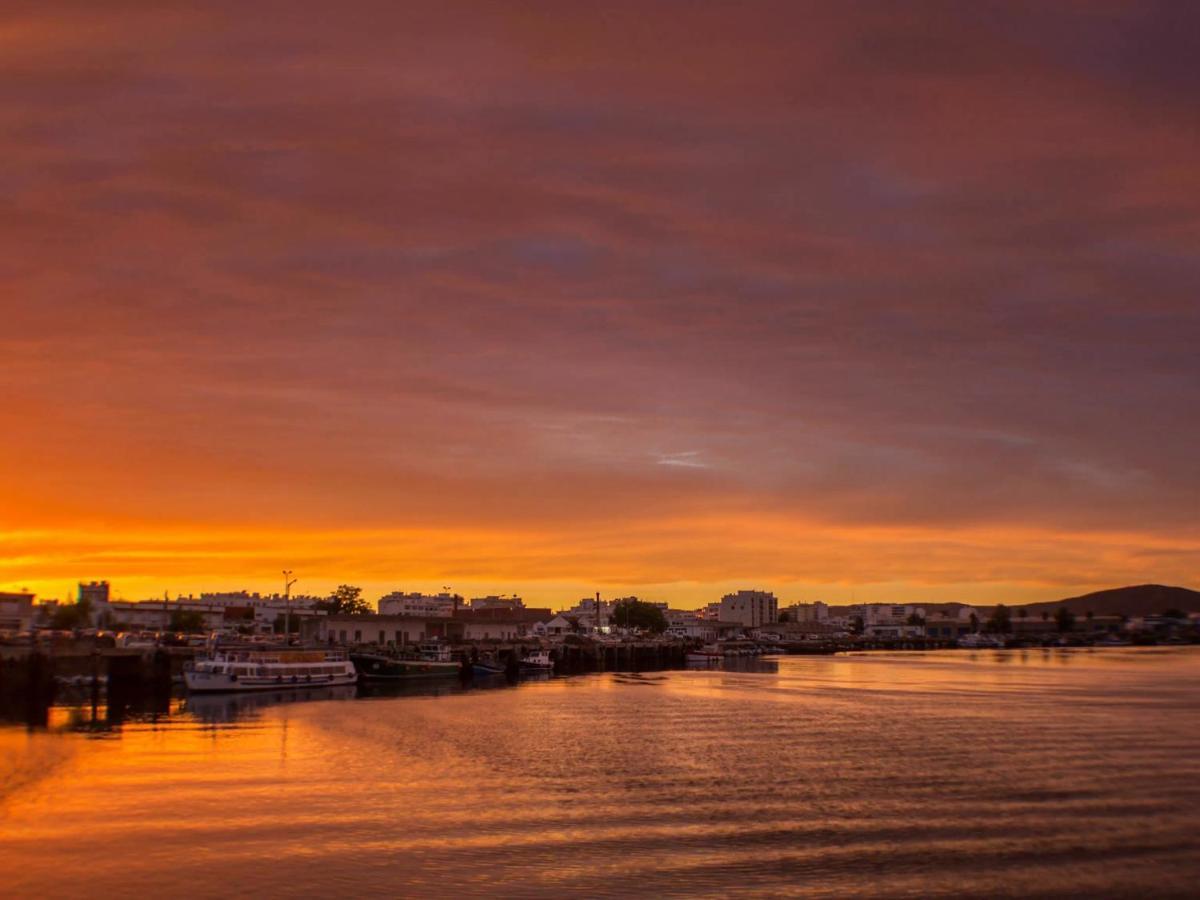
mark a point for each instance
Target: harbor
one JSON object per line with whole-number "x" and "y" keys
{"x": 34, "y": 677}
{"x": 1055, "y": 771}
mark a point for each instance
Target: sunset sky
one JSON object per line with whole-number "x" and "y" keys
{"x": 886, "y": 301}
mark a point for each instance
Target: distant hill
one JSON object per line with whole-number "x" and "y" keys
{"x": 1137, "y": 600}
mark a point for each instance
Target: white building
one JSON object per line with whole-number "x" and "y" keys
{"x": 683, "y": 623}
{"x": 592, "y": 613}
{"x": 16, "y": 611}
{"x": 416, "y": 604}
{"x": 808, "y": 612}
{"x": 749, "y": 608}
{"x": 396, "y": 631}
{"x": 221, "y": 610}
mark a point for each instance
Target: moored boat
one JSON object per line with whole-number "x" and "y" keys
{"x": 487, "y": 665}
{"x": 228, "y": 669}
{"x": 981, "y": 641}
{"x": 705, "y": 656}
{"x": 432, "y": 663}
{"x": 537, "y": 661}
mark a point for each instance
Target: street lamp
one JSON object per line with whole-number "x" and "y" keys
{"x": 288, "y": 581}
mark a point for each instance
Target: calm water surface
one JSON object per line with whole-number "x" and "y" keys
{"x": 995, "y": 773}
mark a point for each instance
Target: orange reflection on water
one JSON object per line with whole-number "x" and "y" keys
{"x": 817, "y": 771}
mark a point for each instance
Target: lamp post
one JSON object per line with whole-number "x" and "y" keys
{"x": 288, "y": 581}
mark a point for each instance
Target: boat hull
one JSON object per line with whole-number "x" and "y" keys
{"x": 212, "y": 683}
{"x": 381, "y": 668}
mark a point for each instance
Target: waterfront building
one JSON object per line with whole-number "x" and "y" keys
{"x": 220, "y": 611}
{"x": 592, "y": 613}
{"x": 442, "y": 605}
{"x": 386, "y": 630}
{"x": 890, "y": 629}
{"x": 399, "y": 630}
{"x": 94, "y": 592}
{"x": 749, "y": 608}
{"x": 943, "y": 626}
{"x": 808, "y": 612}
{"x": 695, "y": 627}
{"x": 561, "y": 624}
{"x": 885, "y": 614}
{"x": 16, "y": 611}
{"x": 96, "y": 595}
{"x": 498, "y": 623}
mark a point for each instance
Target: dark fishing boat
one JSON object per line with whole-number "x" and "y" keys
{"x": 382, "y": 667}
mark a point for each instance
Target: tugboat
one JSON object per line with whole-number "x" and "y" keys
{"x": 258, "y": 669}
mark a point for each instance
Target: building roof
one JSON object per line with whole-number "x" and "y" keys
{"x": 504, "y": 616}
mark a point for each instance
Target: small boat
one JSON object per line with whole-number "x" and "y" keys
{"x": 487, "y": 666}
{"x": 537, "y": 661}
{"x": 705, "y": 656}
{"x": 227, "y": 669}
{"x": 981, "y": 641}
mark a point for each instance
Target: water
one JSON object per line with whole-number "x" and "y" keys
{"x": 1046, "y": 773}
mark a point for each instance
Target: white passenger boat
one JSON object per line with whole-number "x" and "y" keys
{"x": 269, "y": 669}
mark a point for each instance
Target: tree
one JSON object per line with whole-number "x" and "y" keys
{"x": 70, "y": 616}
{"x": 1174, "y": 614}
{"x": 1065, "y": 619}
{"x": 857, "y": 625}
{"x": 634, "y": 613}
{"x": 1001, "y": 621}
{"x": 974, "y": 623}
{"x": 281, "y": 622}
{"x": 915, "y": 620}
{"x": 345, "y": 601}
{"x": 784, "y": 617}
{"x": 1045, "y": 615}
{"x": 186, "y": 620}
